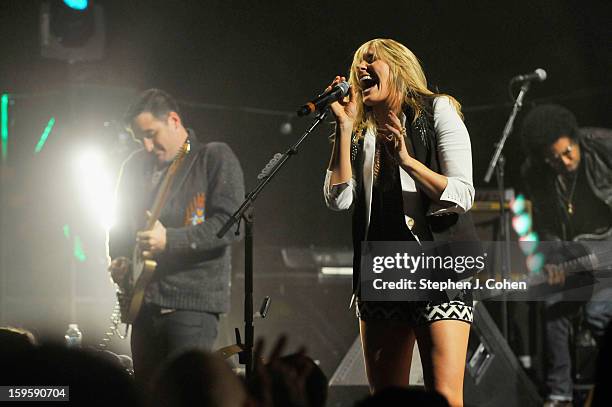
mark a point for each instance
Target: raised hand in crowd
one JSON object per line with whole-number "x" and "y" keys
{"x": 290, "y": 381}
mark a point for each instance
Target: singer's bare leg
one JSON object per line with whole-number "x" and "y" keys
{"x": 387, "y": 350}
{"x": 443, "y": 350}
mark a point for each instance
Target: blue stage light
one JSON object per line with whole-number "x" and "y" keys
{"x": 77, "y": 4}
{"x": 518, "y": 205}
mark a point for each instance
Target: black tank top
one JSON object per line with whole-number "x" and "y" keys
{"x": 387, "y": 221}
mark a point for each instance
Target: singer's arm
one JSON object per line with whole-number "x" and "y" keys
{"x": 339, "y": 184}
{"x": 339, "y": 189}
{"x": 451, "y": 190}
{"x": 344, "y": 110}
{"x": 340, "y": 161}
{"x": 454, "y": 185}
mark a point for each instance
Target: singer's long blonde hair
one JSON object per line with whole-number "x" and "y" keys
{"x": 407, "y": 82}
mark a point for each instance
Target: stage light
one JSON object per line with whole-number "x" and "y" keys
{"x": 72, "y": 27}
{"x": 286, "y": 128}
{"x": 45, "y": 135}
{"x": 77, "y": 246}
{"x": 72, "y": 31}
{"x": 66, "y": 230}
{"x": 535, "y": 262}
{"x": 4, "y": 102}
{"x": 96, "y": 186}
{"x": 518, "y": 205}
{"x": 78, "y": 251}
{"x": 77, "y": 4}
{"x": 530, "y": 237}
{"x": 337, "y": 271}
{"x": 521, "y": 224}
{"x": 529, "y": 243}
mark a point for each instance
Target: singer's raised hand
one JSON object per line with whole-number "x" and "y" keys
{"x": 345, "y": 109}
{"x": 397, "y": 133}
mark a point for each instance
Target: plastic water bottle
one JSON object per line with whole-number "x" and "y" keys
{"x": 73, "y": 336}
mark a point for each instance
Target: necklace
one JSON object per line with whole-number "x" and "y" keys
{"x": 383, "y": 163}
{"x": 570, "y": 197}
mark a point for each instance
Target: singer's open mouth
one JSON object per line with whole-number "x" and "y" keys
{"x": 367, "y": 81}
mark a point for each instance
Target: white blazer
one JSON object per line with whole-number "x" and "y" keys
{"x": 454, "y": 153}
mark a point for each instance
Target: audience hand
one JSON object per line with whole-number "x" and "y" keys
{"x": 276, "y": 382}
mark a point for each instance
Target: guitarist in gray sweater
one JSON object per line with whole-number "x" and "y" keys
{"x": 568, "y": 174}
{"x": 173, "y": 196}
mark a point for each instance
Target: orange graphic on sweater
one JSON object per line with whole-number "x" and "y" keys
{"x": 194, "y": 215}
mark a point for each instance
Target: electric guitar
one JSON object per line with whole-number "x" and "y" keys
{"x": 594, "y": 255}
{"x": 132, "y": 290}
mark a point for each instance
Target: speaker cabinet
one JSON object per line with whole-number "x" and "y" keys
{"x": 493, "y": 375}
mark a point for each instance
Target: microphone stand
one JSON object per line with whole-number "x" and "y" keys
{"x": 497, "y": 163}
{"x": 245, "y": 212}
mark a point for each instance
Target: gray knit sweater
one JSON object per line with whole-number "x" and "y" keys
{"x": 193, "y": 273}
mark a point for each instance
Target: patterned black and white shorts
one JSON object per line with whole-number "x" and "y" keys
{"x": 415, "y": 313}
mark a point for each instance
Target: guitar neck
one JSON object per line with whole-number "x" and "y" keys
{"x": 164, "y": 189}
{"x": 160, "y": 200}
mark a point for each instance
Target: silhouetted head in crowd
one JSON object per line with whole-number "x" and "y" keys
{"x": 122, "y": 361}
{"x": 15, "y": 340}
{"x": 198, "y": 378}
{"x": 399, "y": 396}
{"x": 92, "y": 379}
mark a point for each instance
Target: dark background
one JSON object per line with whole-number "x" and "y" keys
{"x": 219, "y": 57}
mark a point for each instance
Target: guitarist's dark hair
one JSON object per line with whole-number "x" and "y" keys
{"x": 155, "y": 101}
{"x": 544, "y": 124}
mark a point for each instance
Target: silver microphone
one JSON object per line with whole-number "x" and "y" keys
{"x": 538, "y": 75}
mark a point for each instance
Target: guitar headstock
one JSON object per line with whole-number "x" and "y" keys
{"x": 184, "y": 150}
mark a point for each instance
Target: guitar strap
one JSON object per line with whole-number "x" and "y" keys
{"x": 184, "y": 171}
